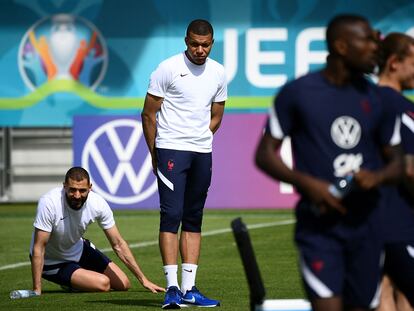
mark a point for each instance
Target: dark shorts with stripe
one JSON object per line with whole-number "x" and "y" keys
{"x": 340, "y": 258}
{"x": 183, "y": 181}
{"x": 91, "y": 259}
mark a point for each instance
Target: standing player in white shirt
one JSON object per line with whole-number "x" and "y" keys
{"x": 60, "y": 254}
{"x": 183, "y": 109}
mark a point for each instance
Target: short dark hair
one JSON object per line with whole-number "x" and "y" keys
{"x": 200, "y": 27}
{"x": 397, "y": 44}
{"x": 336, "y": 26}
{"x": 77, "y": 173}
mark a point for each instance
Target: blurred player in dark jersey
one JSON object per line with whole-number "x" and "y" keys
{"x": 397, "y": 75}
{"x": 339, "y": 128}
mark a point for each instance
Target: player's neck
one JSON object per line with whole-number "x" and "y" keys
{"x": 337, "y": 73}
{"x": 386, "y": 80}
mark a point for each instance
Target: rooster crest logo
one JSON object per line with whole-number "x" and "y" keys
{"x": 170, "y": 165}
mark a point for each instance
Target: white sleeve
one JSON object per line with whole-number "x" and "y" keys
{"x": 44, "y": 216}
{"x": 160, "y": 81}
{"x": 222, "y": 89}
{"x": 106, "y": 218}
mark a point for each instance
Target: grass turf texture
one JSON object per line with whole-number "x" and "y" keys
{"x": 220, "y": 276}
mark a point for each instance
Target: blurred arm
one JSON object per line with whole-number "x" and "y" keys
{"x": 315, "y": 189}
{"x": 391, "y": 173}
{"x": 409, "y": 173}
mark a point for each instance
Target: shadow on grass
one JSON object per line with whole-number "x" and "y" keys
{"x": 156, "y": 302}
{"x": 130, "y": 302}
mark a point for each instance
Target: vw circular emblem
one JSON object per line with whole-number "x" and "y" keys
{"x": 346, "y": 132}
{"x": 119, "y": 163}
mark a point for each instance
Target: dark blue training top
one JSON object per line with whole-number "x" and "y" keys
{"x": 405, "y": 109}
{"x": 398, "y": 213}
{"x": 334, "y": 130}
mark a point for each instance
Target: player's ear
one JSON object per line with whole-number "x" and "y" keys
{"x": 392, "y": 62}
{"x": 340, "y": 46}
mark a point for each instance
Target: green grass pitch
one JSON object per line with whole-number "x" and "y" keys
{"x": 220, "y": 274}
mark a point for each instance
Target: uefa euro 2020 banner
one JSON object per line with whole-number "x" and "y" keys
{"x": 86, "y": 64}
{"x": 61, "y": 58}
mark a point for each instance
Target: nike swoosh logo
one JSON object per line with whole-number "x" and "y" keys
{"x": 192, "y": 300}
{"x": 189, "y": 271}
{"x": 183, "y": 74}
{"x": 64, "y": 217}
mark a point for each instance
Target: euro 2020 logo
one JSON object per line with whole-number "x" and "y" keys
{"x": 62, "y": 46}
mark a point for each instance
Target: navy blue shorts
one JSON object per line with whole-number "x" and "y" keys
{"x": 340, "y": 259}
{"x": 183, "y": 181}
{"x": 399, "y": 265}
{"x": 91, "y": 259}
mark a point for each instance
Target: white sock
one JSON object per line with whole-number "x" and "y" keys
{"x": 170, "y": 272}
{"x": 188, "y": 276}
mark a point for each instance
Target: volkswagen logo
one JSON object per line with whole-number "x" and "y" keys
{"x": 117, "y": 157}
{"x": 346, "y": 132}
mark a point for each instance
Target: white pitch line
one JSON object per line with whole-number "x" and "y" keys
{"x": 152, "y": 243}
{"x": 15, "y": 265}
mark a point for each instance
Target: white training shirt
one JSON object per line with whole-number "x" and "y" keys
{"x": 183, "y": 123}
{"x": 67, "y": 225}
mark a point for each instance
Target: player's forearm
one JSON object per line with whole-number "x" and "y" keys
{"x": 215, "y": 124}
{"x": 392, "y": 173}
{"x": 124, "y": 253}
{"x": 409, "y": 173}
{"x": 37, "y": 261}
{"x": 149, "y": 125}
{"x": 217, "y": 111}
{"x": 271, "y": 164}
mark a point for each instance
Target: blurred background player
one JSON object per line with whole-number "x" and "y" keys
{"x": 396, "y": 74}
{"x": 60, "y": 254}
{"x": 338, "y": 127}
{"x": 183, "y": 108}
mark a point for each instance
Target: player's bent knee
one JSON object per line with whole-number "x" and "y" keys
{"x": 119, "y": 280}
{"x": 103, "y": 283}
{"x": 127, "y": 285}
{"x": 123, "y": 285}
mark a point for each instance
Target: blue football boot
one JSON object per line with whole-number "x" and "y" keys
{"x": 172, "y": 298}
{"x": 193, "y": 297}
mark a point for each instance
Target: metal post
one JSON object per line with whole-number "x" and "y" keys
{"x": 251, "y": 269}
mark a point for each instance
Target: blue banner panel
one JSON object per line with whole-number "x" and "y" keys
{"x": 61, "y": 58}
{"x": 114, "y": 151}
